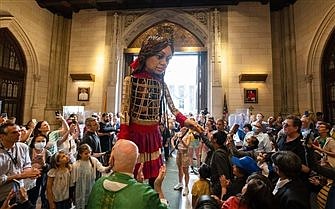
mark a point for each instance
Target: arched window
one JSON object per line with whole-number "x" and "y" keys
{"x": 12, "y": 75}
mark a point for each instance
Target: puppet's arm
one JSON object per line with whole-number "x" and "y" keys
{"x": 125, "y": 107}
{"x": 180, "y": 118}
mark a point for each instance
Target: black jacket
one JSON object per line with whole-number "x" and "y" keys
{"x": 93, "y": 140}
{"x": 219, "y": 162}
{"x": 293, "y": 195}
{"x": 106, "y": 141}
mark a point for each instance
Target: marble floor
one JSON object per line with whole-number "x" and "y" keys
{"x": 175, "y": 198}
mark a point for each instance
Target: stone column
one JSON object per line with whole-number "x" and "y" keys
{"x": 58, "y": 66}
{"x": 216, "y": 63}
{"x": 35, "y": 108}
{"x": 114, "y": 50}
{"x": 284, "y": 56}
{"x": 309, "y": 81}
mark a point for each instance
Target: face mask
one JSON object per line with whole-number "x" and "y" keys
{"x": 40, "y": 145}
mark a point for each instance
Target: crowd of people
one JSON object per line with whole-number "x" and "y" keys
{"x": 289, "y": 161}
{"x": 59, "y": 166}
{"x": 282, "y": 162}
{"x": 293, "y": 155}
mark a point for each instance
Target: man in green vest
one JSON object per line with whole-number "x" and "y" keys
{"x": 120, "y": 189}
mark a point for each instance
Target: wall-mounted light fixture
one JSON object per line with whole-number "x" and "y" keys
{"x": 82, "y": 77}
{"x": 252, "y": 77}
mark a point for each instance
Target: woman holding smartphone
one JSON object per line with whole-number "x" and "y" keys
{"x": 40, "y": 160}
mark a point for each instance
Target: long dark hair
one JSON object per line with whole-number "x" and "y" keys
{"x": 150, "y": 47}
{"x": 258, "y": 194}
{"x": 82, "y": 148}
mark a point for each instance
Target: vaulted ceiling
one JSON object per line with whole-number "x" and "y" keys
{"x": 67, "y": 7}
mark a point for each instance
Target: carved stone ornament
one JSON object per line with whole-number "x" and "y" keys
{"x": 181, "y": 37}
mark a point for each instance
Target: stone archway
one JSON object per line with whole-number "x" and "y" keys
{"x": 314, "y": 60}
{"x": 195, "y": 27}
{"x": 33, "y": 71}
{"x": 149, "y": 19}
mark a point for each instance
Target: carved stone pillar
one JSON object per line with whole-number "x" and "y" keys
{"x": 217, "y": 49}
{"x": 309, "y": 80}
{"x": 219, "y": 84}
{"x": 284, "y": 55}
{"x": 35, "y": 111}
{"x": 58, "y": 66}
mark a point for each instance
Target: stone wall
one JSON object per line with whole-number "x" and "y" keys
{"x": 314, "y": 21}
{"x": 31, "y": 25}
{"x": 249, "y": 51}
{"x": 245, "y": 48}
{"x": 88, "y": 54}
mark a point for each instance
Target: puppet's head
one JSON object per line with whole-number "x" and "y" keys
{"x": 152, "y": 46}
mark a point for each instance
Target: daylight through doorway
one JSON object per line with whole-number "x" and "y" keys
{"x": 181, "y": 79}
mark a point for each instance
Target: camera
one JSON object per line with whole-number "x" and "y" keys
{"x": 204, "y": 111}
{"x": 207, "y": 202}
{"x": 57, "y": 113}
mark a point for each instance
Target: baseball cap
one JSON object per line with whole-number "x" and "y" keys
{"x": 246, "y": 163}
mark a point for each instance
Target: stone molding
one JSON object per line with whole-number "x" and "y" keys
{"x": 33, "y": 70}
{"x": 314, "y": 58}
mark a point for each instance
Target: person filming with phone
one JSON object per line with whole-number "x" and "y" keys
{"x": 54, "y": 137}
{"x": 15, "y": 162}
{"x": 21, "y": 197}
{"x": 3, "y": 118}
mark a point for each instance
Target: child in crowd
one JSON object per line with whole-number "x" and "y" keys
{"x": 84, "y": 174}
{"x": 182, "y": 160}
{"x": 202, "y": 185}
{"x": 40, "y": 158}
{"x": 58, "y": 183}
{"x": 263, "y": 164}
{"x": 68, "y": 142}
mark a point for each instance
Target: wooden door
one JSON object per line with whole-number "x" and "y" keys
{"x": 12, "y": 76}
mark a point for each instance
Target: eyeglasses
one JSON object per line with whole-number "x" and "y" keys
{"x": 286, "y": 125}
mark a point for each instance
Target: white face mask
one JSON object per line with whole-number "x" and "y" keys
{"x": 40, "y": 145}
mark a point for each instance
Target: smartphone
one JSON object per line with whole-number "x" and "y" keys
{"x": 234, "y": 128}
{"x": 4, "y": 115}
{"x": 16, "y": 189}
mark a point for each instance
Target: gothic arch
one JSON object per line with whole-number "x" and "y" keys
{"x": 33, "y": 71}
{"x": 314, "y": 59}
{"x": 184, "y": 20}
{"x": 151, "y": 18}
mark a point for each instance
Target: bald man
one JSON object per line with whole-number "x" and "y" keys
{"x": 120, "y": 189}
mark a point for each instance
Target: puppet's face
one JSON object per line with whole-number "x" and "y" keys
{"x": 157, "y": 64}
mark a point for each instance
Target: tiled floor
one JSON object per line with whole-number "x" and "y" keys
{"x": 176, "y": 199}
{"x": 186, "y": 201}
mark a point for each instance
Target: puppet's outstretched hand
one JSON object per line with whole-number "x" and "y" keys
{"x": 193, "y": 125}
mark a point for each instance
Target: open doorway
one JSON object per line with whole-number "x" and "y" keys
{"x": 186, "y": 78}
{"x": 182, "y": 81}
